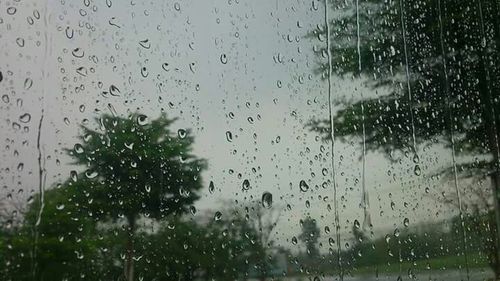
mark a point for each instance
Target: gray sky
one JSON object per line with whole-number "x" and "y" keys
{"x": 248, "y": 58}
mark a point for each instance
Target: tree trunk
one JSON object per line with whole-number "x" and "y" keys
{"x": 129, "y": 260}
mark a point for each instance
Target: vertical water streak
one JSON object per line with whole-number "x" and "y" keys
{"x": 408, "y": 77}
{"x": 42, "y": 175}
{"x": 452, "y": 137}
{"x": 496, "y": 157}
{"x": 332, "y": 139}
{"x": 365, "y": 199}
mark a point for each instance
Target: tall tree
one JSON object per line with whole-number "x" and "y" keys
{"x": 136, "y": 167}
{"x": 438, "y": 61}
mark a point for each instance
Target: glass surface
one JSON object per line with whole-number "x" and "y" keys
{"x": 249, "y": 140}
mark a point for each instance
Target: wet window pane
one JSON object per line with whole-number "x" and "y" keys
{"x": 250, "y": 140}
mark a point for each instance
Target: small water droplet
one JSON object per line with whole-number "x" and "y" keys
{"x": 28, "y": 83}
{"x": 218, "y": 216}
{"x": 78, "y": 53}
{"x": 11, "y": 10}
{"x": 20, "y": 42}
{"x": 144, "y": 72}
{"x": 5, "y": 98}
{"x": 82, "y": 71}
{"x": 147, "y": 187}
{"x": 145, "y": 43}
{"x": 211, "y": 187}
{"x": 303, "y": 186}
{"x": 294, "y": 240}
{"x": 60, "y": 207}
{"x": 357, "y": 224}
{"x": 246, "y": 184}
{"x": 78, "y": 148}
{"x": 417, "y": 170}
{"x": 229, "y": 136}
{"x": 165, "y": 66}
{"x": 69, "y": 32}
{"x": 177, "y": 6}
{"x": 223, "y": 58}
{"x": 267, "y": 200}
{"x": 406, "y": 222}
{"x": 114, "y": 91}
{"x": 25, "y": 118}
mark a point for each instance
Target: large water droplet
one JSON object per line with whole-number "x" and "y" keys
{"x": 267, "y": 200}
{"x": 303, "y": 186}
{"x": 142, "y": 120}
{"x": 182, "y": 133}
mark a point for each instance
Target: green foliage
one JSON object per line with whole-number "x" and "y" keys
{"x": 440, "y": 75}
{"x": 137, "y": 167}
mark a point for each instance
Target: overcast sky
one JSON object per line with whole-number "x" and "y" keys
{"x": 201, "y": 61}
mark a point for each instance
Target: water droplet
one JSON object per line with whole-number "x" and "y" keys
{"x": 20, "y": 167}
{"x": 218, "y": 216}
{"x": 223, "y": 58}
{"x": 91, "y": 174}
{"x": 28, "y": 83}
{"x": 211, "y": 187}
{"x": 294, "y": 240}
{"x": 82, "y": 71}
{"x": 165, "y": 66}
{"x": 78, "y": 148}
{"x": 108, "y": 3}
{"x": 229, "y": 136}
{"x": 78, "y": 53}
{"x": 356, "y": 224}
{"x": 147, "y": 187}
{"x": 177, "y": 6}
{"x": 331, "y": 241}
{"x": 267, "y": 200}
{"x": 144, "y": 72}
{"x": 417, "y": 170}
{"x": 142, "y": 120}
{"x": 11, "y": 10}
{"x": 69, "y": 32}
{"x": 246, "y": 184}
{"x": 5, "y": 98}
{"x": 25, "y": 118}
{"x": 20, "y": 42}
{"x": 114, "y": 91}
{"x": 182, "y": 133}
{"x": 73, "y": 175}
{"x": 60, "y": 207}
{"x": 145, "y": 44}
{"x": 406, "y": 222}
{"x": 192, "y": 210}
{"x": 303, "y": 186}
